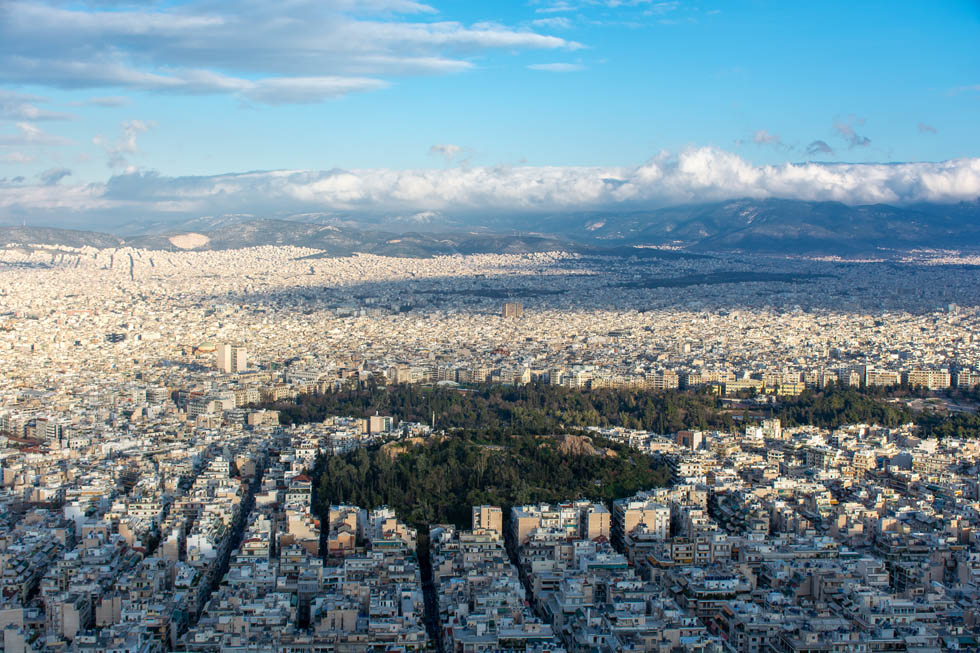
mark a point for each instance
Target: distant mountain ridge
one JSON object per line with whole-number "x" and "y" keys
{"x": 767, "y": 226}
{"x": 775, "y": 225}
{"x": 332, "y": 241}
{"x": 55, "y": 237}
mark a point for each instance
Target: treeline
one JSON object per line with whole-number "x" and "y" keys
{"x": 834, "y": 406}
{"x": 958, "y": 425}
{"x": 526, "y": 409}
{"x": 534, "y": 409}
{"x": 440, "y": 480}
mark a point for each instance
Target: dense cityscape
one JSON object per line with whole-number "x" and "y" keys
{"x": 527, "y": 326}
{"x": 152, "y": 500}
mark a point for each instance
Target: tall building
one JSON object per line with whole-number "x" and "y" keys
{"x": 400, "y": 374}
{"x": 882, "y": 378}
{"x": 231, "y": 358}
{"x": 380, "y": 424}
{"x": 513, "y": 309}
{"x": 595, "y": 522}
{"x": 967, "y": 379}
{"x": 772, "y": 428}
{"x": 488, "y": 518}
{"x": 931, "y": 379}
{"x": 690, "y": 439}
{"x": 576, "y": 519}
{"x": 664, "y": 380}
{"x": 640, "y": 510}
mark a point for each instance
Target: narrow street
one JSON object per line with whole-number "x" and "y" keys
{"x": 432, "y": 622}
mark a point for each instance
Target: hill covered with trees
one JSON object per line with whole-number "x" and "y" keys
{"x": 502, "y": 445}
{"x": 440, "y": 479}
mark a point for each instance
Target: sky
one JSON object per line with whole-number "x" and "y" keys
{"x": 113, "y": 111}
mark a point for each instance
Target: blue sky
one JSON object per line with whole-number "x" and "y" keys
{"x": 96, "y": 92}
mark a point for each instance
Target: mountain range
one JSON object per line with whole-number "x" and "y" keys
{"x": 767, "y": 226}
{"x": 330, "y": 240}
{"x": 780, "y": 226}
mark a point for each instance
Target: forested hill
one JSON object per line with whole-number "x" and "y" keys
{"x": 502, "y": 444}
{"x": 439, "y": 480}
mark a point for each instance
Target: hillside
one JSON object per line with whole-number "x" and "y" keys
{"x": 780, "y": 226}
{"x": 331, "y": 240}
{"x": 53, "y": 237}
{"x": 768, "y": 226}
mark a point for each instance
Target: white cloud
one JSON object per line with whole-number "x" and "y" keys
{"x": 396, "y": 6}
{"x": 448, "y": 150}
{"x": 695, "y": 175}
{"x": 964, "y": 89}
{"x": 299, "y": 51}
{"x": 21, "y": 106}
{"x": 303, "y": 90}
{"x": 818, "y": 147}
{"x": 649, "y": 7}
{"x": 109, "y": 101}
{"x": 557, "y": 67}
{"x": 559, "y": 6}
{"x": 664, "y": 7}
{"x": 52, "y": 176}
{"x": 23, "y": 199}
{"x": 846, "y": 131}
{"x": 655, "y": 8}
{"x": 765, "y": 137}
{"x": 130, "y": 129}
{"x": 119, "y": 150}
{"x": 455, "y": 35}
{"x": 555, "y": 22}
{"x": 29, "y": 134}
{"x": 16, "y": 157}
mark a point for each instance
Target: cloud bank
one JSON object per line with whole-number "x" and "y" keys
{"x": 695, "y": 175}
{"x": 300, "y": 51}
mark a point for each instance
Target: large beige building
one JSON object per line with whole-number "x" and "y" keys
{"x": 578, "y": 519}
{"x": 632, "y": 513}
{"x": 231, "y": 358}
{"x": 342, "y": 525}
{"x": 488, "y": 518}
{"x": 596, "y": 522}
{"x": 882, "y": 378}
{"x": 931, "y": 379}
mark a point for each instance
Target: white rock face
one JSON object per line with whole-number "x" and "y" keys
{"x": 189, "y": 241}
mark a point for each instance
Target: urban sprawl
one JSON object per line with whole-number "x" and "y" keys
{"x": 148, "y": 504}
